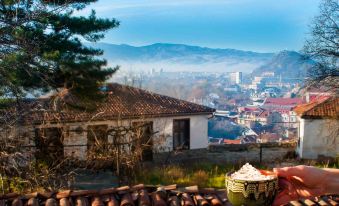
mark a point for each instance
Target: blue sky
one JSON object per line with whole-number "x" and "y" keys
{"x": 257, "y": 25}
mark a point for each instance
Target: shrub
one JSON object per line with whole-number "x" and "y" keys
{"x": 200, "y": 178}
{"x": 174, "y": 172}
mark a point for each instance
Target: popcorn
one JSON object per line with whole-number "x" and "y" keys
{"x": 248, "y": 172}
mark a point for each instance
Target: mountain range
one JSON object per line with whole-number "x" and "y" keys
{"x": 181, "y": 57}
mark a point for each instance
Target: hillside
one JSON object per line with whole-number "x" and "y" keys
{"x": 180, "y": 57}
{"x": 289, "y": 64}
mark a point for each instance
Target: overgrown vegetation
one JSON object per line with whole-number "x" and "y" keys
{"x": 206, "y": 174}
{"x": 41, "y": 50}
{"x": 201, "y": 174}
{"x": 38, "y": 163}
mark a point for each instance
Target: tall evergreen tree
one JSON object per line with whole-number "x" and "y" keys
{"x": 41, "y": 48}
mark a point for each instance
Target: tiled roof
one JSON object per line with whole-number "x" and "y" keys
{"x": 123, "y": 196}
{"x": 231, "y": 141}
{"x": 140, "y": 195}
{"x": 121, "y": 102}
{"x": 283, "y": 101}
{"x": 281, "y": 105}
{"x": 320, "y": 108}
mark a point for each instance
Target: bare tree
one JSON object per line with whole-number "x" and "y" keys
{"x": 323, "y": 46}
{"x": 124, "y": 150}
{"x": 20, "y": 170}
{"x": 33, "y": 157}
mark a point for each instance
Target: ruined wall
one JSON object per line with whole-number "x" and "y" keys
{"x": 75, "y": 134}
{"x": 229, "y": 154}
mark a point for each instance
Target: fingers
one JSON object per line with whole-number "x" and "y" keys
{"x": 285, "y": 184}
{"x": 267, "y": 172}
{"x": 304, "y": 190}
{"x": 290, "y": 171}
{"x": 282, "y": 199}
{"x": 296, "y": 188}
{"x": 287, "y": 194}
{"x": 300, "y": 181}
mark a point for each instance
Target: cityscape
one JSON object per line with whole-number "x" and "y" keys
{"x": 169, "y": 103}
{"x": 249, "y": 107}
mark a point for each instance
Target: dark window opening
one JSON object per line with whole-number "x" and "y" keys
{"x": 181, "y": 134}
{"x": 97, "y": 138}
{"x": 49, "y": 145}
{"x": 145, "y": 132}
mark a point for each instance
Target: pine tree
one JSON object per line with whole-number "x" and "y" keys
{"x": 41, "y": 47}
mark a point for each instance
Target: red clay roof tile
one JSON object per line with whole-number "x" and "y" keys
{"x": 320, "y": 108}
{"x": 121, "y": 102}
{"x": 283, "y": 101}
{"x": 144, "y": 196}
{"x": 230, "y": 141}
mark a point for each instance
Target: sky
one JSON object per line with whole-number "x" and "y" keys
{"x": 254, "y": 25}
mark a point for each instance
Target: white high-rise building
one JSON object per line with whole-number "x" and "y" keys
{"x": 236, "y": 77}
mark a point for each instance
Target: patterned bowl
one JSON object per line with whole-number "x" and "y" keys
{"x": 246, "y": 192}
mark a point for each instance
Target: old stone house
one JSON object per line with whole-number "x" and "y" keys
{"x": 318, "y": 128}
{"x": 68, "y": 131}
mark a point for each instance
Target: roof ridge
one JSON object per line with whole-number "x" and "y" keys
{"x": 154, "y": 93}
{"x": 123, "y": 101}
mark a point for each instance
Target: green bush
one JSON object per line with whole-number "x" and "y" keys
{"x": 13, "y": 184}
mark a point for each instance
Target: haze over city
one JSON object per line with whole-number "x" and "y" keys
{"x": 169, "y": 102}
{"x": 256, "y": 25}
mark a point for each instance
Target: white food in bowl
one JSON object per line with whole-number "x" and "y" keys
{"x": 249, "y": 173}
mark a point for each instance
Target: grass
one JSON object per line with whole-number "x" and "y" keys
{"x": 202, "y": 174}
{"x": 326, "y": 164}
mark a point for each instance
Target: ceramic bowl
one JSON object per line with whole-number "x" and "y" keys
{"x": 246, "y": 192}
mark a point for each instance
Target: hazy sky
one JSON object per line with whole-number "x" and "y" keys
{"x": 257, "y": 25}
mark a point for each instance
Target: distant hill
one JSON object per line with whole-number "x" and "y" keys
{"x": 289, "y": 64}
{"x": 180, "y": 57}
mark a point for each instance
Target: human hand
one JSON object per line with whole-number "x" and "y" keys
{"x": 300, "y": 182}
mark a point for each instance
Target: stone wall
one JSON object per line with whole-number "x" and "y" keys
{"x": 229, "y": 154}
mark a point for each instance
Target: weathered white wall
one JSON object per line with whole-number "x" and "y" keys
{"x": 198, "y": 131}
{"x": 162, "y": 126}
{"x": 164, "y": 139}
{"x": 318, "y": 137}
{"x": 75, "y": 138}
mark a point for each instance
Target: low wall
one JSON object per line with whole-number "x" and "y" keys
{"x": 229, "y": 154}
